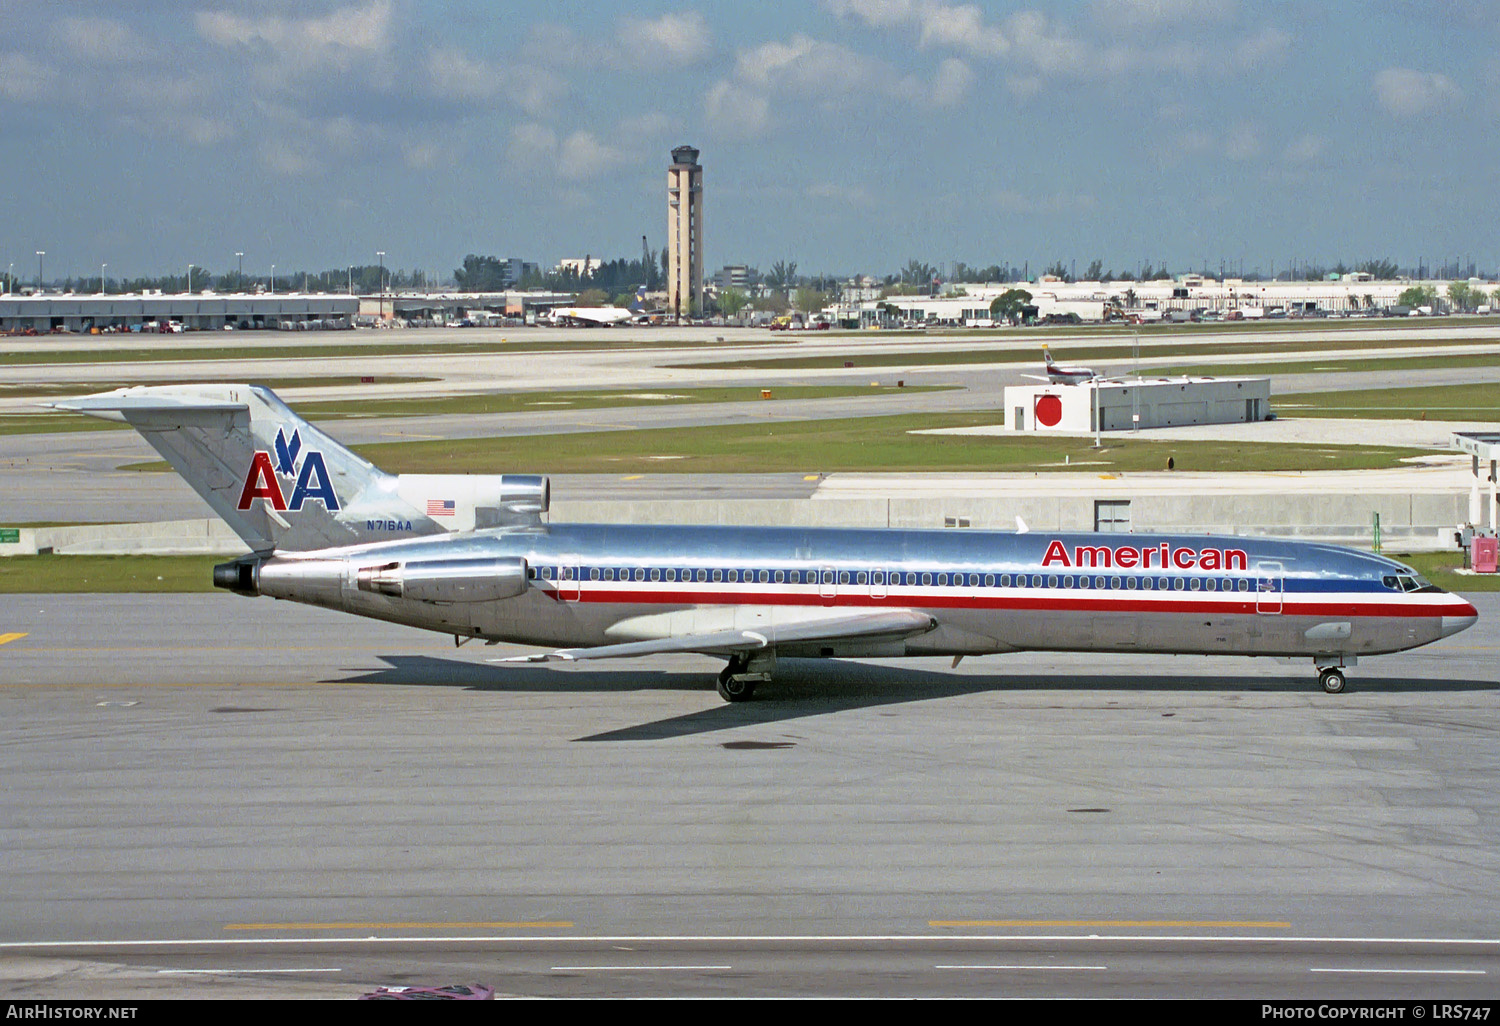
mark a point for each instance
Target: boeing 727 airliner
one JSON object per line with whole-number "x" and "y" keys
{"x": 473, "y": 556}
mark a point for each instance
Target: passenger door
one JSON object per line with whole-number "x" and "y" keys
{"x": 1268, "y": 587}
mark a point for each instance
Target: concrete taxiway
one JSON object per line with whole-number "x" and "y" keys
{"x": 212, "y": 792}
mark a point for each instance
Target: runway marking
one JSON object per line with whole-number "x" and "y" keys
{"x": 5, "y": 639}
{"x": 632, "y": 477}
{"x": 539, "y": 925}
{"x": 1408, "y": 972}
{"x": 637, "y": 968}
{"x": 237, "y": 972}
{"x": 196, "y": 648}
{"x": 1489, "y": 944}
{"x": 1028, "y": 968}
{"x": 1215, "y": 924}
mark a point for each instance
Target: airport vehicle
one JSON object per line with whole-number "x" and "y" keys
{"x": 473, "y": 556}
{"x": 451, "y": 992}
{"x": 1057, "y": 374}
{"x": 602, "y": 316}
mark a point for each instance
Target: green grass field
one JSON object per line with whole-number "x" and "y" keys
{"x": 868, "y": 444}
{"x": 54, "y": 390}
{"x": 508, "y": 402}
{"x": 20, "y": 574}
{"x": 518, "y": 402}
{"x": 1337, "y": 365}
{"x": 1478, "y": 401}
{"x": 1070, "y": 353}
{"x": 310, "y": 348}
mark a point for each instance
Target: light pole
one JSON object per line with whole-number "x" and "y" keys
{"x": 273, "y": 279}
{"x": 39, "y": 254}
{"x": 351, "y": 279}
{"x": 101, "y": 278}
{"x": 189, "y": 289}
{"x": 240, "y": 276}
{"x": 10, "y": 278}
{"x": 381, "y": 282}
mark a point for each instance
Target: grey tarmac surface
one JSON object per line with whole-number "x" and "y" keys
{"x": 301, "y": 802}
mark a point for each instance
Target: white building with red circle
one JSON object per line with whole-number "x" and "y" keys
{"x": 1125, "y": 403}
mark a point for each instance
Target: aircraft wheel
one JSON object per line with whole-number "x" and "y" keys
{"x": 733, "y": 687}
{"x": 1332, "y": 680}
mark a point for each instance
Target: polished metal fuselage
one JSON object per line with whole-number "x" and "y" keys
{"x": 987, "y": 592}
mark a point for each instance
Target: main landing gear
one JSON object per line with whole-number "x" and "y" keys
{"x": 737, "y": 680}
{"x": 1331, "y": 678}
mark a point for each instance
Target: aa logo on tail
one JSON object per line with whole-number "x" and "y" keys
{"x": 263, "y": 479}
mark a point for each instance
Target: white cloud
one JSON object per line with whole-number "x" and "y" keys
{"x": 951, "y": 82}
{"x": 734, "y": 110}
{"x": 1139, "y": 14}
{"x": 1243, "y": 142}
{"x": 1186, "y": 37}
{"x": 1266, "y": 46}
{"x": 99, "y": 40}
{"x": 820, "y": 75}
{"x": 1305, "y": 149}
{"x": 1014, "y": 201}
{"x": 958, "y": 26}
{"x": 803, "y": 65}
{"x": 673, "y": 38}
{"x": 848, "y": 195}
{"x": 1407, "y": 93}
{"x": 22, "y": 78}
{"x": 340, "y": 39}
{"x": 579, "y": 157}
{"x": 582, "y": 156}
{"x": 454, "y": 75}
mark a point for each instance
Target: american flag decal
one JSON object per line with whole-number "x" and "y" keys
{"x": 440, "y": 507}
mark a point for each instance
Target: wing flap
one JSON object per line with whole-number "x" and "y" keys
{"x": 887, "y": 623}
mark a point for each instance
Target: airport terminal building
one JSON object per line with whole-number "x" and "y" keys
{"x": 207, "y": 312}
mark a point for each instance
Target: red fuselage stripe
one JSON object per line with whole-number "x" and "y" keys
{"x": 1242, "y": 602}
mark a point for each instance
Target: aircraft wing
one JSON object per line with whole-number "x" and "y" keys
{"x": 886, "y": 623}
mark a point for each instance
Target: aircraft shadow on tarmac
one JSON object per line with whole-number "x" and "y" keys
{"x": 814, "y": 687}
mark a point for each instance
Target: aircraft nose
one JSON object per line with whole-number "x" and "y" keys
{"x": 1460, "y": 619}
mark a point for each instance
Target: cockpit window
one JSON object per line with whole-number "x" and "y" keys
{"x": 1408, "y": 582}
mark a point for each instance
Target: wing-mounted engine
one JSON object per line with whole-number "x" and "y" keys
{"x": 466, "y": 502}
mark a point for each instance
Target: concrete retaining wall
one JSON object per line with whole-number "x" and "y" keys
{"x": 1408, "y": 522}
{"x": 209, "y": 537}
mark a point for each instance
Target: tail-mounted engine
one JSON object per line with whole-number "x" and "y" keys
{"x": 446, "y": 580}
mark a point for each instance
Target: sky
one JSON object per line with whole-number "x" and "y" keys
{"x": 849, "y": 136}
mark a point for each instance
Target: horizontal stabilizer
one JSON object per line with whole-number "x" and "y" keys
{"x": 153, "y": 408}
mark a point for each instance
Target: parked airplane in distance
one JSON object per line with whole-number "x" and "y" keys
{"x": 1060, "y": 375}
{"x": 601, "y": 316}
{"x": 472, "y": 555}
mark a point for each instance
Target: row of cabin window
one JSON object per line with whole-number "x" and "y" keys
{"x": 900, "y": 579}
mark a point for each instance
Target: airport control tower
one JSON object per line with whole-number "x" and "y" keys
{"x": 685, "y": 233}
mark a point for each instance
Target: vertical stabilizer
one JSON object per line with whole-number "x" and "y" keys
{"x": 277, "y": 480}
